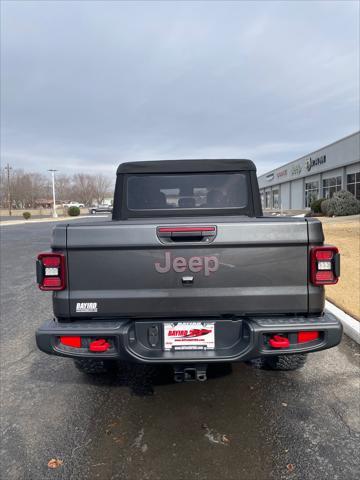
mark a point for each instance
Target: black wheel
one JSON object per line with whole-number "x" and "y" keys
{"x": 280, "y": 362}
{"x": 93, "y": 212}
{"x": 92, "y": 366}
{"x": 286, "y": 362}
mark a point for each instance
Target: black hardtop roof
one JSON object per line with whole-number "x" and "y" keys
{"x": 186, "y": 166}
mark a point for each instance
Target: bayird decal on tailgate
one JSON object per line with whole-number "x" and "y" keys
{"x": 86, "y": 307}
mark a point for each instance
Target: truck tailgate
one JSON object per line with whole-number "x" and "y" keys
{"x": 254, "y": 266}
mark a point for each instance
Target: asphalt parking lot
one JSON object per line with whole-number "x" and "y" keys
{"x": 242, "y": 423}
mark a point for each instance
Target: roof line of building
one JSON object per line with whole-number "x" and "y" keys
{"x": 311, "y": 153}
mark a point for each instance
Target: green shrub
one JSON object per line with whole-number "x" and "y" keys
{"x": 316, "y": 205}
{"x": 340, "y": 204}
{"x": 324, "y": 207}
{"x": 73, "y": 211}
{"x": 26, "y": 215}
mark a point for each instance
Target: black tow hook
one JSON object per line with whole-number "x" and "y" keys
{"x": 190, "y": 373}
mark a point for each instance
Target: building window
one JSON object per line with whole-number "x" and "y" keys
{"x": 275, "y": 198}
{"x": 267, "y": 200}
{"x": 330, "y": 186}
{"x": 353, "y": 184}
{"x": 311, "y": 193}
{"x": 262, "y": 199}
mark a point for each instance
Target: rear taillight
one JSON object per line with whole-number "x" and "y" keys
{"x": 51, "y": 271}
{"x": 325, "y": 265}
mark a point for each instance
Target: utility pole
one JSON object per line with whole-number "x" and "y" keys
{"x": 8, "y": 168}
{"x": 53, "y": 189}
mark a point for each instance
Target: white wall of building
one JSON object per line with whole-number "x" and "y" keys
{"x": 313, "y": 178}
{"x": 332, "y": 173}
{"x": 339, "y": 159}
{"x": 353, "y": 168}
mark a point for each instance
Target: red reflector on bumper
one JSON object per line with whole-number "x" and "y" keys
{"x": 304, "y": 337}
{"x": 71, "y": 341}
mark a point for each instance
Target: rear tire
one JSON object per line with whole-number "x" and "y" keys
{"x": 287, "y": 362}
{"x": 93, "y": 366}
{"x": 93, "y": 212}
{"x": 280, "y": 362}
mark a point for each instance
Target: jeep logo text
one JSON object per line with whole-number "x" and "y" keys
{"x": 195, "y": 264}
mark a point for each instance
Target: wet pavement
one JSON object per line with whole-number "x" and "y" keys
{"x": 242, "y": 423}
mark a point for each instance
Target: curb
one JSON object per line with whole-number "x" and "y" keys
{"x": 46, "y": 220}
{"x": 351, "y": 326}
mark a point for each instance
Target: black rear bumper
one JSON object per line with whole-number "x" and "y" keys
{"x": 236, "y": 340}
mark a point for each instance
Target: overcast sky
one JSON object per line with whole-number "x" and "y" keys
{"x": 88, "y": 85}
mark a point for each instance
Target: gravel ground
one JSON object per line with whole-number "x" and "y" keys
{"x": 137, "y": 424}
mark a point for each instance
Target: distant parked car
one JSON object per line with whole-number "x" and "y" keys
{"x": 100, "y": 209}
{"x": 73, "y": 204}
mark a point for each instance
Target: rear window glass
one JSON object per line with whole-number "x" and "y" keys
{"x": 187, "y": 191}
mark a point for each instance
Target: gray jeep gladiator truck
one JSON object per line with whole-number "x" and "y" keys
{"x": 188, "y": 272}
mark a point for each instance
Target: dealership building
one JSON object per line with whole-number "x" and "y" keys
{"x": 317, "y": 175}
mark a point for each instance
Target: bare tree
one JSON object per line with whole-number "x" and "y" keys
{"x": 40, "y": 188}
{"x": 83, "y": 188}
{"x": 102, "y": 185}
{"x": 64, "y": 187}
{"x": 3, "y": 189}
{"x": 28, "y": 189}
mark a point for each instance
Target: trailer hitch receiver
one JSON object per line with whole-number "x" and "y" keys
{"x": 190, "y": 373}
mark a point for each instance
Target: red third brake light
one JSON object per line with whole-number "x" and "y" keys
{"x": 186, "y": 229}
{"x": 324, "y": 265}
{"x": 51, "y": 271}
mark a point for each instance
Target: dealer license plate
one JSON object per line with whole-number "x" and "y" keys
{"x": 189, "y": 336}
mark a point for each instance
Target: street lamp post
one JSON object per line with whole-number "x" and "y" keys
{"x": 53, "y": 189}
{"x": 8, "y": 168}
